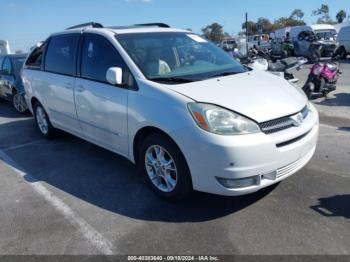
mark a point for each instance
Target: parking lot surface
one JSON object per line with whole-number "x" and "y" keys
{"x": 67, "y": 196}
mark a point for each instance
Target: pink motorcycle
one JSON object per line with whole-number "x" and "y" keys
{"x": 322, "y": 79}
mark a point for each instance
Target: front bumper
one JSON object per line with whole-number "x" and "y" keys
{"x": 259, "y": 155}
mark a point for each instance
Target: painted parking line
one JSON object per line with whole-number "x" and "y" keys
{"x": 89, "y": 233}
{"x": 35, "y": 142}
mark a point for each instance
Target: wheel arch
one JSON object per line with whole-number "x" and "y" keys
{"x": 33, "y": 101}
{"x": 142, "y": 133}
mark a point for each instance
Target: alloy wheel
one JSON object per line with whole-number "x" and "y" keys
{"x": 19, "y": 103}
{"x": 42, "y": 120}
{"x": 161, "y": 168}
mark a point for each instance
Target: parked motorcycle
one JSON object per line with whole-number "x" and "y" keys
{"x": 258, "y": 59}
{"x": 322, "y": 79}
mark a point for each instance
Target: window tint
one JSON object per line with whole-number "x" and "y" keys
{"x": 61, "y": 54}
{"x": 7, "y": 65}
{"x": 98, "y": 56}
{"x": 36, "y": 57}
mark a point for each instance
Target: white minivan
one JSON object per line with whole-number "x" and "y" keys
{"x": 344, "y": 41}
{"x": 174, "y": 104}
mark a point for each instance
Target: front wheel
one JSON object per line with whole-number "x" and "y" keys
{"x": 165, "y": 167}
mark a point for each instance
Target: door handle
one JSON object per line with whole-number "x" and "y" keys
{"x": 80, "y": 88}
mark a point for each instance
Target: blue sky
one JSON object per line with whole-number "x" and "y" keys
{"x": 24, "y": 22}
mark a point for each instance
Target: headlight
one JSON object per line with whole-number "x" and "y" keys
{"x": 221, "y": 121}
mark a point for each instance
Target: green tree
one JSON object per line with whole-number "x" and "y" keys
{"x": 264, "y": 25}
{"x": 341, "y": 15}
{"x": 252, "y": 28}
{"x": 286, "y": 22}
{"x": 323, "y": 13}
{"x": 297, "y": 14}
{"x": 213, "y": 32}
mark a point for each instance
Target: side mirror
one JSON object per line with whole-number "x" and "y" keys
{"x": 114, "y": 76}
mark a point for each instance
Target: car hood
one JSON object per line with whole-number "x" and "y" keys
{"x": 258, "y": 95}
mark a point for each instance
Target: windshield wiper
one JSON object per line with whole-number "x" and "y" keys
{"x": 174, "y": 79}
{"x": 223, "y": 74}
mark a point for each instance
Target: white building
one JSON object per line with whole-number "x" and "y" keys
{"x": 4, "y": 47}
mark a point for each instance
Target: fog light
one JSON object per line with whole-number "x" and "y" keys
{"x": 239, "y": 183}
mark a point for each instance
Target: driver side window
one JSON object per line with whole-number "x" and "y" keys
{"x": 98, "y": 55}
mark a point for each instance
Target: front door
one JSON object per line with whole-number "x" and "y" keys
{"x": 101, "y": 107}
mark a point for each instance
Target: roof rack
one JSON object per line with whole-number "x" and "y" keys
{"x": 154, "y": 24}
{"x": 90, "y": 24}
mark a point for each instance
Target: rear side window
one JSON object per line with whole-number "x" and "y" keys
{"x": 60, "y": 55}
{"x": 35, "y": 58}
{"x": 98, "y": 55}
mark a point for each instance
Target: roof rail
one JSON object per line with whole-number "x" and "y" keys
{"x": 154, "y": 24}
{"x": 90, "y": 24}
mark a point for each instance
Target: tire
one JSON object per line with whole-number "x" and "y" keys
{"x": 344, "y": 54}
{"x": 340, "y": 53}
{"x": 308, "y": 88}
{"x": 169, "y": 181}
{"x": 43, "y": 122}
{"x": 19, "y": 103}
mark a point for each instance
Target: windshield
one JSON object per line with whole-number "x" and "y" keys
{"x": 177, "y": 55}
{"x": 326, "y": 35}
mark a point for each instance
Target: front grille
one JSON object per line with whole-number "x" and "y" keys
{"x": 280, "y": 124}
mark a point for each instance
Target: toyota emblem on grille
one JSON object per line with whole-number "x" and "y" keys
{"x": 297, "y": 119}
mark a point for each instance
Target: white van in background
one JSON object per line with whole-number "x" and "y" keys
{"x": 344, "y": 41}
{"x": 325, "y": 35}
{"x": 280, "y": 34}
{"x": 262, "y": 41}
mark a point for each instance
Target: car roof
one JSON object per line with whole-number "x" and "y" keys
{"x": 322, "y": 27}
{"x": 145, "y": 28}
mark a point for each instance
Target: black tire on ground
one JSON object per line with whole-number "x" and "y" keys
{"x": 340, "y": 53}
{"x": 51, "y": 131}
{"x": 308, "y": 89}
{"x": 183, "y": 187}
{"x": 344, "y": 53}
{"x": 22, "y": 109}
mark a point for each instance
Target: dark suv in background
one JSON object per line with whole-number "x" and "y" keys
{"x": 11, "y": 86}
